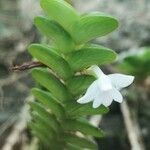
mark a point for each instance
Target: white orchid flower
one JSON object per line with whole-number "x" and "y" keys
{"x": 106, "y": 88}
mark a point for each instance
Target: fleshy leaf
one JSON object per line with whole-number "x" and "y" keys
{"x": 72, "y": 147}
{"x": 61, "y": 12}
{"x": 75, "y": 109}
{"x": 47, "y": 56}
{"x": 80, "y": 142}
{"x": 51, "y": 83}
{"x": 49, "y": 102}
{"x": 93, "y": 25}
{"x": 78, "y": 84}
{"x": 83, "y": 127}
{"x": 89, "y": 56}
{"x": 38, "y": 119}
{"x": 62, "y": 40}
{"x": 40, "y": 133}
{"x": 45, "y": 136}
{"x": 51, "y": 119}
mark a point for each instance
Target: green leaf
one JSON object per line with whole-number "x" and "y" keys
{"x": 86, "y": 109}
{"x": 130, "y": 62}
{"x": 45, "y": 115}
{"x": 38, "y": 132}
{"x": 49, "y": 102}
{"x": 72, "y": 147}
{"x": 145, "y": 56}
{"x": 80, "y": 142}
{"x": 49, "y": 139}
{"x": 75, "y": 109}
{"x": 62, "y": 40}
{"x": 61, "y": 12}
{"x": 38, "y": 119}
{"x": 92, "y": 55}
{"x": 93, "y": 25}
{"x": 83, "y": 127}
{"x": 78, "y": 84}
{"x": 37, "y": 128}
{"x": 133, "y": 61}
{"x": 47, "y": 56}
{"x": 51, "y": 83}
{"x": 44, "y": 135}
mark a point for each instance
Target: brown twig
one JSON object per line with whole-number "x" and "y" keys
{"x": 27, "y": 66}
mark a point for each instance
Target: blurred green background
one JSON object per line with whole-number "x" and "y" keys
{"x": 17, "y": 32}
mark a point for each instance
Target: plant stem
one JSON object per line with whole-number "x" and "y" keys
{"x": 27, "y": 66}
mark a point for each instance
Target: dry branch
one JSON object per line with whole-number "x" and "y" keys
{"x": 133, "y": 129}
{"x": 27, "y": 66}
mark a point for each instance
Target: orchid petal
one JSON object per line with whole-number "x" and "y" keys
{"x": 97, "y": 100}
{"x": 117, "y": 96}
{"x": 120, "y": 81}
{"x": 89, "y": 95}
{"x": 84, "y": 100}
{"x": 107, "y": 99}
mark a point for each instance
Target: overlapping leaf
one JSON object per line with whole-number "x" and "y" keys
{"x": 49, "y": 102}
{"x": 78, "y": 84}
{"x": 41, "y": 134}
{"x": 80, "y": 142}
{"x": 84, "y": 127}
{"x": 44, "y": 124}
{"x": 49, "y": 118}
{"x": 83, "y": 28}
{"x": 62, "y": 40}
{"x": 76, "y": 110}
{"x": 47, "y": 56}
{"x": 51, "y": 83}
{"x": 61, "y": 12}
{"x": 93, "y": 25}
{"x": 90, "y": 55}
